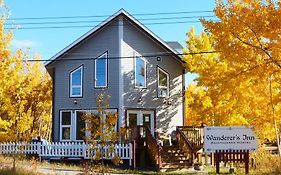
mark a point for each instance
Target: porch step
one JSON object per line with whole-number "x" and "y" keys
{"x": 174, "y": 158}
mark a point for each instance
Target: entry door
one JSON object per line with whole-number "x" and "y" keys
{"x": 141, "y": 118}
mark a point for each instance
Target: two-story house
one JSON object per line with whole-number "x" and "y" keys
{"x": 121, "y": 57}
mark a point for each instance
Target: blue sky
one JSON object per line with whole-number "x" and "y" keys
{"x": 48, "y": 42}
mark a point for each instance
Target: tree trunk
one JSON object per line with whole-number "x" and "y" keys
{"x": 277, "y": 138}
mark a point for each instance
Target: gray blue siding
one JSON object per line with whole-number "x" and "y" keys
{"x": 137, "y": 42}
{"x": 134, "y": 42}
{"x": 104, "y": 40}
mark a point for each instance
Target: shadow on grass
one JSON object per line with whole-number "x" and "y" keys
{"x": 8, "y": 171}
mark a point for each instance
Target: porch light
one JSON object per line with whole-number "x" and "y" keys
{"x": 139, "y": 100}
{"x": 167, "y": 101}
{"x": 75, "y": 101}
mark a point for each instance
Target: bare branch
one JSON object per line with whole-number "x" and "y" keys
{"x": 259, "y": 48}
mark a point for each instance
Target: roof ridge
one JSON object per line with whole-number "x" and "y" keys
{"x": 105, "y": 22}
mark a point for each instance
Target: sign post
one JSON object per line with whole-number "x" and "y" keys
{"x": 230, "y": 144}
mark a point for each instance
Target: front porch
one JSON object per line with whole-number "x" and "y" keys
{"x": 165, "y": 154}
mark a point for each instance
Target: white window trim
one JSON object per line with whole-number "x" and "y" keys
{"x": 73, "y": 123}
{"x": 140, "y": 121}
{"x": 168, "y": 82}
{"x": 106, "y": 70}
{"x": 66, "y": 126}
{"x": 136, "y": 72}
{"x": 76, "y": 86}
{"x": 88, "y": 133}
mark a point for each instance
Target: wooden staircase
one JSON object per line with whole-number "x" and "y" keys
{"x": 174, "y": 158}
{"x": 179, "y": 156}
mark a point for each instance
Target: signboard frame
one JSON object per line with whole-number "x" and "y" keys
{"x": 231, "y": 143}
{"x": 229, "y": 138}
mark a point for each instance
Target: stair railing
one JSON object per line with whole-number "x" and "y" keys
{"x": 154, "y": 149}
{"x": 184, "y": 144}
{"x": 194, "y": 135}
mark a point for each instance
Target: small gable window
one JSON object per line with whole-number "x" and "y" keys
{"x": 101, "y": 71}
{"x": 76, "y": 78}
{"x": 140, "y": 72}
{"x": 163, "y": 83}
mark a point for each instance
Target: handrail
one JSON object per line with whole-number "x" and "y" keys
{"x": 189, "y": 139}
{"x": 182, "y": 138}
{"x": 194, "y": 135}
{"x": 184, "y": 144}
{"x": 154, "y": 148}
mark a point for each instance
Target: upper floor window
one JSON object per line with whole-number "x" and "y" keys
{"x": 163, "y": 83}
{"x": 140, "y": 72}
{"x": 76, "y": 78}
{"x": 101, "y": 71}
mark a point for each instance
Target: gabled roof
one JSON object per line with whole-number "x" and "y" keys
{"x": 175, "y": 45}
{"x": 104, "y": 23}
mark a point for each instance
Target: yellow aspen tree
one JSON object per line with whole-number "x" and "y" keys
{"x": 25, "y": 92}
{"x": 241, "y": 82}
{"x": 102, "y": 130}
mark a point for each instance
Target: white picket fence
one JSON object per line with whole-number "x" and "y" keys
{"x": 68, "y": 150}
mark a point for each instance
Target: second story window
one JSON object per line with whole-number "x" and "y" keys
{"x": 140, "y": 72}
{"x": 101, "y": 71}
{"x": 76, "y": 78}
{"x": 163, "y": 83}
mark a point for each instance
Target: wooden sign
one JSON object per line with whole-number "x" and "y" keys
{"x": 229, "y": 138}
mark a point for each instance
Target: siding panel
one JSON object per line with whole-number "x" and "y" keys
{"x": 104, "y": 40}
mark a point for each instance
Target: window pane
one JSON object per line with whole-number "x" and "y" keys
{"x": 76, "y": 91}
{"x": 95, "y": 125}
{"x": 163, "y": 79}
{"x": 80, "y": 126}
{"x": 76, "y": 77}
{"x": 101, "y": 71}
{"x": 66, "y": 118}
{"x": 76, "y": 82}
{"x": 132, "y": 120}
{"x": 66, "y": 133}
{"x": 162, "y": 92}
{"x": 140, "y": 72}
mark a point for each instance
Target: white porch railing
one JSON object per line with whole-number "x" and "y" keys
{"x": 68, "y": 149}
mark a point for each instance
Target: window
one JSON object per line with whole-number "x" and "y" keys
{"x": 88, "y": 123}
{"x": 76, "y": 78}
{"x": 101, "y": 71}
{"x": 140, "y": 72}
{"x": 163, "y": 83}
{"x": 80, "y": 125}
{"x": 77, "y": 126}
{"x": 65, "y": 119}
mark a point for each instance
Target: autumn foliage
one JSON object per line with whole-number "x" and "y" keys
{"x": 240, "y": 83}
{"x": 25, "y": 94}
